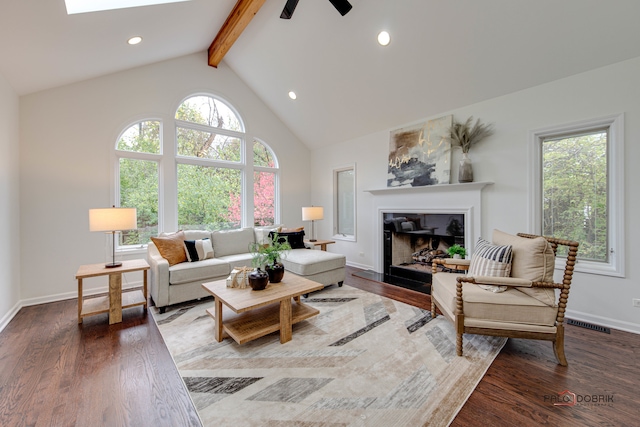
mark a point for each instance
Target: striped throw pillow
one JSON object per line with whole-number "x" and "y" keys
{"x": 493, "y": 261}
{"x": 197, "y": 250}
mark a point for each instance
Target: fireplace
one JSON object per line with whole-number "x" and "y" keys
{"x": 463, "y": 200}
{"x": 411, "y": 240}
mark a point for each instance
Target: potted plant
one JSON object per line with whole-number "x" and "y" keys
{"x": 464, "y": 135}
{"x": 456, "y": 251}
{"x": 269, "y": 257}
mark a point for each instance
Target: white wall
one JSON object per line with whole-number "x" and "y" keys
{"x": 503, "y": 160}
{"x": 66, "y": 137}
{"x": 9, "y": 203}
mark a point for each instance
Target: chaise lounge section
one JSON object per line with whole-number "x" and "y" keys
{"x": 173, "y": 280}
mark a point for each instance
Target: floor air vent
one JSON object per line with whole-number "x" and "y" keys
{"x": 588, "y": 326}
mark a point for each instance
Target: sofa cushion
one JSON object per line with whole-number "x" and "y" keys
{"x": 305, "y": 262}
{"x": 204, "y": 270}
{"x": 533, "y": 259}
{"x": 491, "y": 260}
{"x": 196, "y": 234}
{"x": 238, "y": 260}
{"x": 231, "y": 242}
{"x": 198, "y": 250}
{"x": 171, "y": 247}
{"x": 510, "y": 306}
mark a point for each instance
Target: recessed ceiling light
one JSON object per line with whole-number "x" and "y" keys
{"x": 292, "y": 95}
{"x": 384, "y": 38}
{"x": 134, "y": 40}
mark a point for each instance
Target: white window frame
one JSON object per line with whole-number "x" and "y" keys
{"x": 276, "y": 181}
{"x": 336, "y": 216}
{"x": 615, "y": 266}
{"x": 135, "y": 155}
{"x": 168, "y": 160}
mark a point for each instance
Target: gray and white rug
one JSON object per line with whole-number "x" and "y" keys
{"x": 365, "y": 360}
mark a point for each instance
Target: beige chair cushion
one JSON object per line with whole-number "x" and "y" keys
{"x": 533, "y": 259}
{"x": 171, "y": 247}
{"x": 511, "y": 306}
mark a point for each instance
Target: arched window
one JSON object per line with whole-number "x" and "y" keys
{"x": 199, "y": 177}
{"x": 265, "y": 182}
{"x": 209, "y": 143}
{"x": 138, "y": 151}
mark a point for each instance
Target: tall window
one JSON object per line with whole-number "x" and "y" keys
{"x": 138, "y": 152}
{"x": 344, "y": 183}
{"x": 265, "y": 177}
{"x": 204, "y": 173}
{"x": 578, "y": 198}
{"x": 209, "y": 138}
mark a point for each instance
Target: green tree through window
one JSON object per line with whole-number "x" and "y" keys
{"x": 218, "y": 182}
{"x": 138, "y": 150}
{"x": 574, "y": 191}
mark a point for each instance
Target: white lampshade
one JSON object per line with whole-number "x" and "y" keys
{"x": 113, "y": 219}
{"x": 312, "y": 213}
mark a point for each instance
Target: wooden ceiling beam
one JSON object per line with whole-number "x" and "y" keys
{"x": 242, "y": 13}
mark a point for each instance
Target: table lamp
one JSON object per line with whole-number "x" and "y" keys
{"x": 312, "y": 214}
{"x": 111, "y": 220}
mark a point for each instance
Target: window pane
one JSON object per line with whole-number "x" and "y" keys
{"x": 345, "y": 202}
{"x": 143, "y": 137}
{"x": 209, "y": 198}
{"x": 195, "y": 143}
{"x": 208, "y": 111}
{"x": 264, "y": 194}
{"x": 139, "y": 189}
{"x": 262, "y": 155}
{"x": 574, "y": 191}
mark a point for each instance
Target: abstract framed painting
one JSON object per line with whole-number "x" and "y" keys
{"x": 420, "y": 155}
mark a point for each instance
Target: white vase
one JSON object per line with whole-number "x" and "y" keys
{"x": 465, "y": 171}
{"x": 457, "y": 256}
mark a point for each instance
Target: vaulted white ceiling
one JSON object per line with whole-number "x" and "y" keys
{"x": 443, "y": 54}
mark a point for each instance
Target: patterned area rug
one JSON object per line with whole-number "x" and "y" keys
{"x": 365, "y": 360}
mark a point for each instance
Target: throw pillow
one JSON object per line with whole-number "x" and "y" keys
{"x": 197, "y": 250}
{"x": 295, "y": 239}
{"x": 171, "y": 247}
{"x": 493, "y": 261}
{"x": 262, "y": 233}
{"x": 533, "y": 259}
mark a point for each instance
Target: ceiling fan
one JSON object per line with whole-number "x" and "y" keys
{"x": 342, "y": 6}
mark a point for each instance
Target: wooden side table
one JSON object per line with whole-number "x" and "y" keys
{"x": 116, "y": 300}
{"x": 322, "y": 243}
{"x": 457, "y": 265}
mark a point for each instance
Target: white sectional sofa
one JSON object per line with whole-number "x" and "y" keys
{"x": 182, "y": 282}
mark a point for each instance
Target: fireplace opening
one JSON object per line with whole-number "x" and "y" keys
{"x": 412, "y": 240}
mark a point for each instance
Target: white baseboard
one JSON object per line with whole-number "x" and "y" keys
{"x": 634, "y": 328}
{"x": 58, "y": 297}
{"x": 10, "y": 315}
{"x": 360, "y": 266}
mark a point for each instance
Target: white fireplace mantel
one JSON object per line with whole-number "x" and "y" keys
{"x": 431, "y": 188}
{"x": 465, "y": 198}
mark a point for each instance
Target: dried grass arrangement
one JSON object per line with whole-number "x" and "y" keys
{"x": 464, "y": 135}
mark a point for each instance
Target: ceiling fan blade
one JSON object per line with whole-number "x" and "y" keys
{"x": 287, "y": 12}
{"x": 343, "y": 6}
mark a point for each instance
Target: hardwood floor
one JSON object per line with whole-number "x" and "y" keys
{"x": 56, "y": 373}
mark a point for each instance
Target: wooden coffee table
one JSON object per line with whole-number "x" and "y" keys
{"x": 258, "y": 313}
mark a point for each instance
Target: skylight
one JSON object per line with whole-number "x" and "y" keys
{"x": 83, "y": 6}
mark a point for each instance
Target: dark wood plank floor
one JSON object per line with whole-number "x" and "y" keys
{"x": 56, "y": 373}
